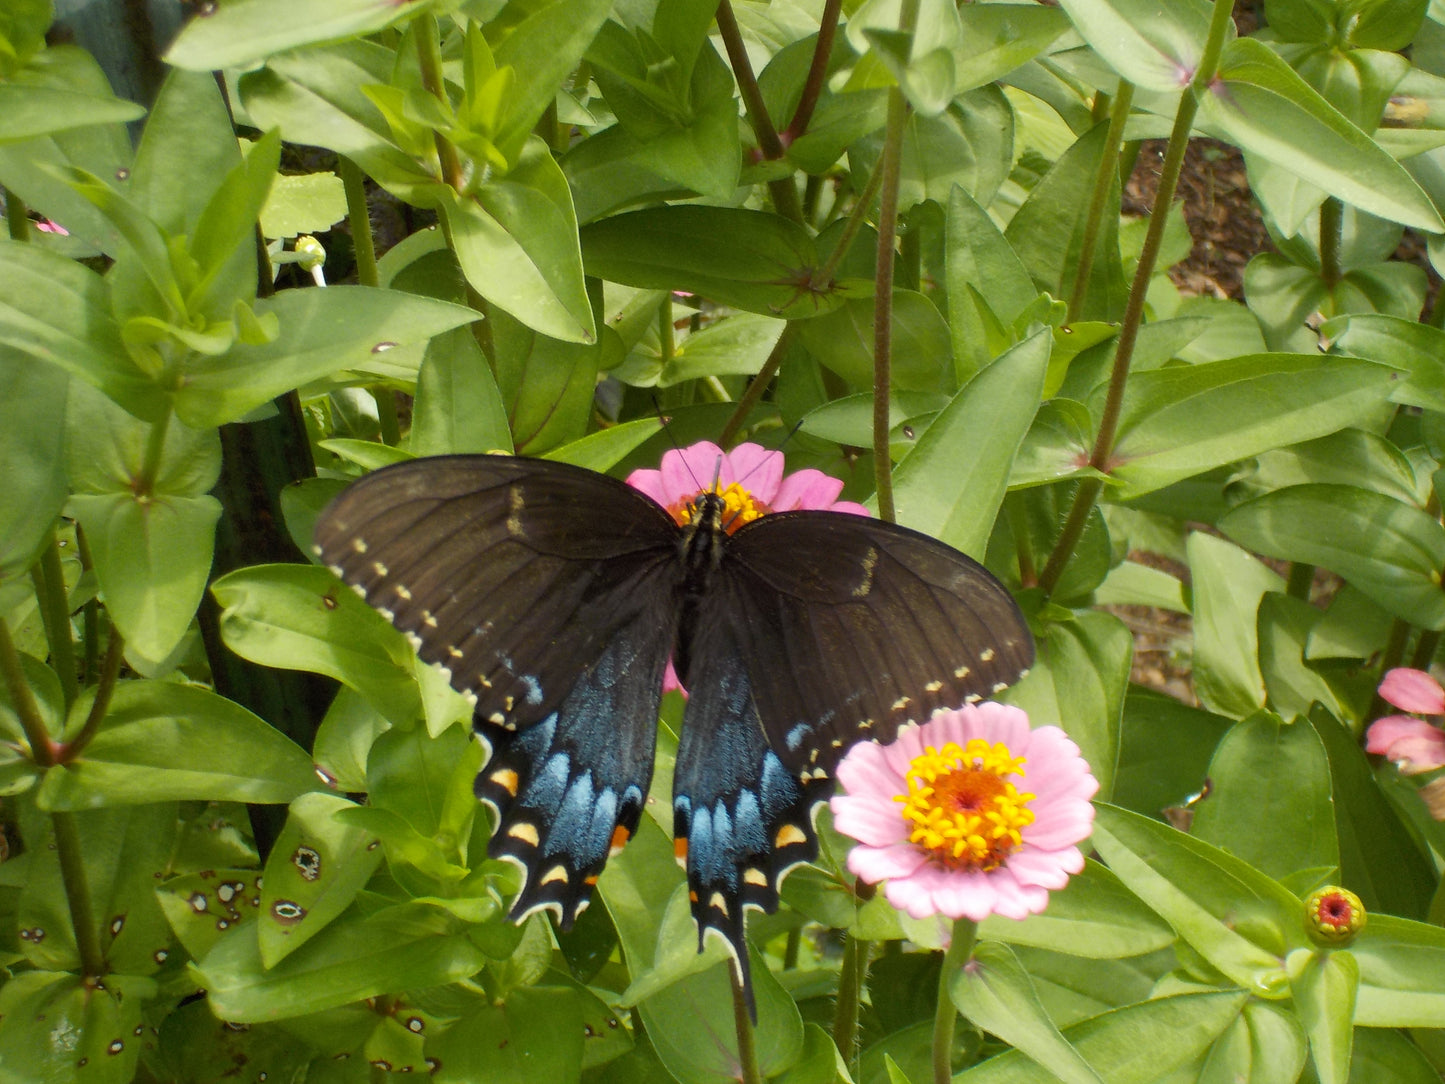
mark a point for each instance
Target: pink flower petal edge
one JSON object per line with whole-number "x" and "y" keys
{"x": 1413, "y": 690}
{"x": 1053, "y": 771}
{"x": 1413, "y": 744}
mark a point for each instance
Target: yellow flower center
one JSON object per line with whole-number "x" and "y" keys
{"x": 739, "y": 508}
{"x": 960, "y": 806}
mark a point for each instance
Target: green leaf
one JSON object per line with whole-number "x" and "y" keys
{"x": 1180, "y": 421}
{"x": 993, "y": 991}
{"x": 544, "y": 48}
{"x": 57, "y": 310}
{"x": 1094, "y": 917}
{"x": 162, "y": 742}
{"x": 516, "y": 241}
{"x": 1416, "y": 348}
{"x": 303, "y": 203}
{"x": 1153, "y": 46}
{"x": 738, "y": 345}
{"x": 1324, "y": 985}
{"x": 843, "y": 342}
{"x": 1270, "y": 803}
{"x": 152, "y": 557}
{"x": 316, "y": 867}
{"x": 239, "y": 33}
{"x": 1381, "y": 1054}
{"x": 204, "y": 907}
{"x": 30, "y": 111}
{"x": 322, "y": 332}
{"x": 225, "y": 225}
{"x": 1001, "y": 402}
{"x": 536, "y": 1034}
{"x": 188, "y": 145}
{"x": 1397, "y": 958}
{"x": 1228, "y": 586}
{"x": 1261, "y": 105}
{"x": 753, "y": 261}
{"x": 919, "y": 60}
{"x": 1165, "y": 749}
{"x": 1078, "y": 682}
{"x": 983, "y": 273}
{"x": 301, "y": 618}
{"x": 1238, "y": 919}
{"x": 458, "y": 407}
{"x": 406, "y": 947}
{"x": 547, "y": 384}
{"x": 1136, "y": 1044}
{"x": 1265, "y": 1045}
{"x": 32, "y": 447}
{"x": 1047, "y": 232}
{"x": 1292, "y": 685}
{"x": 97, "y": 1026}
{"x": 1391, "y": 551}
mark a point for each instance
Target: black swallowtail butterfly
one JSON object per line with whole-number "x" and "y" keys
{"x": 556, "y": 595}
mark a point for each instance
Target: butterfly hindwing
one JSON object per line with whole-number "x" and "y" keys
{"x": 569, "y": 789}
{"x": 741, "y": 817}
{"x": 864, "y": 627}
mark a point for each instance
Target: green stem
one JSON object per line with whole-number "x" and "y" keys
{"x": 22, "y": 701}
{"x": 743, "y": 1023}
{"x": 57, "y": 619}
{"x": 965, "y": 933}
{"x": 666, "y": 337}
{"x": 359, "y": 218}
{"x": 850, "y": 986}
{"x": 817, "y": 70}
{"x": 16, "y": 219}
{"x": 1301, "y": 580}
{"x": 155, "y": 452}
{"x": 1104, "y": 180}
{"x": 856, "y": 217}
{"x": 790, "y": 950}
{"x": 783, "y": 190}
{"x": 1089, "y": 488}
{"x": 91, "y": 611}
{"x": 77, "y": 893}
{"x": 883, "y": 286}
{"x": 104, "y": 690}
{"x": 1332, "y": 228}
{"x": 759, "y": 384}
{"x": 1425, "y": 649}
{"x": 1389, "y": 659}
{"x": 429, "y": 60}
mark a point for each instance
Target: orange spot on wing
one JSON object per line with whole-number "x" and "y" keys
{"x": 789, "y": 835}
{"x": 620, "y": 836}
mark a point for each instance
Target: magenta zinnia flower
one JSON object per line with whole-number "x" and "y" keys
{"x": 750, "y": 481}
{"x": 1415, "y": 745}
{"x": 969, "y": 815}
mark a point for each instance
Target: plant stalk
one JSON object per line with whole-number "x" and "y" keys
{"x": 783, "y": 190}
{"x": 77, "y": 893}
{"x": 883, "y": 296}
{"x": 22, "y": 701}
{"x": 1089, "y": 488}
{"x": 743, "y": 1023}
{"x": 850, "y": 987}
{"x": 965, "y": 933}
{"x": 759, "y": 384}
{"x": 817, "y": 70}
{"x": 429, "y": 59}
{"x": 1332, "y": 231}
{"x": 16, "y": 220}
{"x": 57, "y": 619}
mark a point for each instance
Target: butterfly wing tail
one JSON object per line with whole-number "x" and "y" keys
{"x": 569, "y": 789}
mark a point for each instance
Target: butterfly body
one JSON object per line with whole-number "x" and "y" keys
{"x": 555, "y": 596}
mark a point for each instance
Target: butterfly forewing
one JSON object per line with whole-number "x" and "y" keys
{"x": 505, "y": 571}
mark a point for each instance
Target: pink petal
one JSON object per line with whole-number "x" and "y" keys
{"x": 807, "y": 489}
{"x": 874, "y": 822}
{"x": 866, "y": 769}
{"x": 1413, "y": 744}
{"x": 670, "y": 682}
{"x": 1413, "y": 690}
{"x": 755, "y": 468}
{"x": 894, "y": 864}
{"x": 649, "y": 482}
{"x": 686, "y": 472}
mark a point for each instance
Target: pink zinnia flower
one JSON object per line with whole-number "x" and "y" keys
{"x": 969, "y": 815}
{"x": 47, "y": 226}
{"x": 1415, "y": 745}
{"x": 750, "y": 481}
